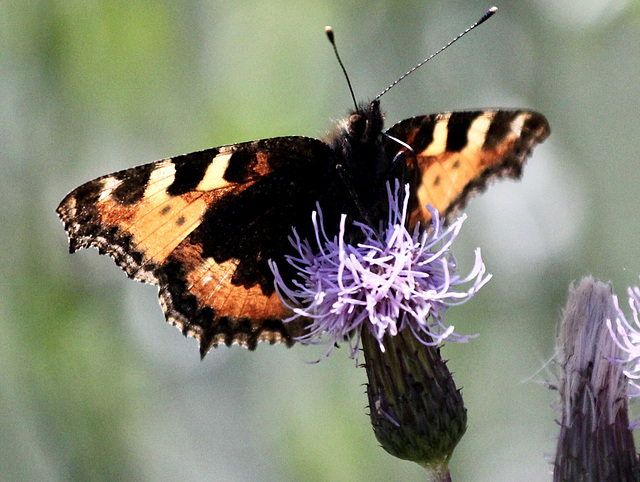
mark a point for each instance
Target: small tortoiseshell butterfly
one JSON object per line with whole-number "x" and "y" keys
{"x": 203, "y": 225}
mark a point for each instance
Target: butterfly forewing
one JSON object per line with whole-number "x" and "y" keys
{"x": 202, "y": 226}
{"x": 456, "y": 154}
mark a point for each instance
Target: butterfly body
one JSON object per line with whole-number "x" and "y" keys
{"x": 203, "y": 225}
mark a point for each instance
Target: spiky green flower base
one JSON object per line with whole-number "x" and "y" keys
{"x": 417, "y": 412}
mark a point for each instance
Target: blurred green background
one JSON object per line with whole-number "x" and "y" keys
{"x": 95, "y": 385}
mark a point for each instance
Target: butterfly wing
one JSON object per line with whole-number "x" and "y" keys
{"x": 202, "y": 227}
{"x": 455, "y": 154}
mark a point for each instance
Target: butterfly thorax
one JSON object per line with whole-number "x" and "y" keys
{"x": 363, "y": 165}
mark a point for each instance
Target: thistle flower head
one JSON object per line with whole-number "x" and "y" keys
{"x": 595, "y": 441}
{"x": 390, "y": 281}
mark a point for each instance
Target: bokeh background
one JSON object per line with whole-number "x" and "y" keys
{"x": 94, "y": 384}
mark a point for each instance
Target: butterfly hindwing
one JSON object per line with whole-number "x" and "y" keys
{"x": 202, "y": 226}
{"x": 458, "y": 153}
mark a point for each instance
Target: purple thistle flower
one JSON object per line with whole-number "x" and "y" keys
{"x": 627, "y": 336}
{"x": 595, "y": 441}
{"x": 391, "y": 281}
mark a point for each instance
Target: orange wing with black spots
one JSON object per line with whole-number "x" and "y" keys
{"x": 459, "y": 153}
{"x": 202, "y": 226}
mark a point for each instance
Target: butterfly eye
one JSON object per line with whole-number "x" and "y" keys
{"x": 357, "y": 126}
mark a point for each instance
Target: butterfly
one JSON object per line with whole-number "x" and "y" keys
{"x": 202, "y": 226}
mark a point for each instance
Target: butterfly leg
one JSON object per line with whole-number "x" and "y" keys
{"x": 400, "y": 161}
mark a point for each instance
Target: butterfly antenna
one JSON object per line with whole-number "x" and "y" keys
{"x": 483, "y": 19}
{"x": 329, "y": 31}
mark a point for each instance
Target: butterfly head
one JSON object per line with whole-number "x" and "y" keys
{"x": 365, "y": 124}
{"x": 357, "y": 138}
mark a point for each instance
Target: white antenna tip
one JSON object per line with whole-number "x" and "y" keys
{"x": 329, "y": 31}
